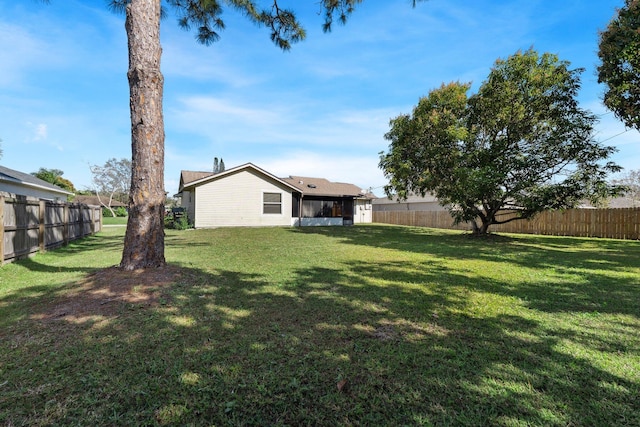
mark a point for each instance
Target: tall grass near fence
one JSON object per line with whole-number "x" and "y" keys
{"x": 607, "y": 223}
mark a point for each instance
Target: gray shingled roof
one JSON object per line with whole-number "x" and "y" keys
{"x": 190, "y": 176}
{"x": 16, "y": 177}
{"x": 306, "y": 185}
{"x": 322, "y": 187}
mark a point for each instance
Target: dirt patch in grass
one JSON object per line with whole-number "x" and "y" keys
{"x": 104, "y": 292}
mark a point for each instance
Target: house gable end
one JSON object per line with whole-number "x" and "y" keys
{"x": 238, "y": 199}
{"x": 228, "y": 172}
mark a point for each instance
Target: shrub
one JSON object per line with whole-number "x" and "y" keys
{"x": 181, "y": 223}
{"x": 120, "y": 211}
{"x": 174, "y": 222}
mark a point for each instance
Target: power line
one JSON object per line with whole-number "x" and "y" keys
{"x": 611, "y": 137}
{"x": 603, "y": 114}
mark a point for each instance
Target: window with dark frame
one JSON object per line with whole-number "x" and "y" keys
{"x": 272, "y": 203}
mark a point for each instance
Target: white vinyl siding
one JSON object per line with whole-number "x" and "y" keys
{"x": 236, "y": 199}
{"x": 363, "y": 212}
{"x": 38, "y": 193}
{"x": 188, "y": 204}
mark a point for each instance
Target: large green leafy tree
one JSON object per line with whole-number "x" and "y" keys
{"x": 519, "y": 146}
{"x": 619, "y": 52}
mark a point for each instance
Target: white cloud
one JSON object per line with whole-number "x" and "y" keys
{"x": 359, "y": 170}
{"x": 280, "y": 123}
{"x": 40, "y": 132}
{"x": 208, "y": 109}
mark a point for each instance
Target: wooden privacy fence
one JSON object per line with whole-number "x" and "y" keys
{"x": 609, "y": 223}
{"x": 30, "y": 225}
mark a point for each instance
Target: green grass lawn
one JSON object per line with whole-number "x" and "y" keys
{"x": 367, "y": 325}
{"x": 118, "y": 220}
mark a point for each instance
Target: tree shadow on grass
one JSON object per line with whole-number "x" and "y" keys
{"x": 326, "y": 347}
{"x": 526, "y": 250}
{"x": 34, "y": 264}
{"x": 100, "y": 241}
{"x": 566, "y": 273}
{"x": 56, "y": 261}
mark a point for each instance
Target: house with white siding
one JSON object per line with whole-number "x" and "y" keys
{"x": 250, "y": 196}
{"x": 17, "y": 183}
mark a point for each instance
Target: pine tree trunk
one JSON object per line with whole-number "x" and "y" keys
{"x": 144, "y": 239}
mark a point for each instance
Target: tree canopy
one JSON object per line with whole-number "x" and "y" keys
{"x": 54, "y": 176}
{"x": 619, "y": 53}
{"x": 519, "y": 146}
{"x": 285, "y": 29}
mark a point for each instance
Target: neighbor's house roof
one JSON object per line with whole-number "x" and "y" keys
{"x": 624, "y": 202}
{"x": 309, "y": 186}
{"x": 411, "y": 198}
{"x": 22, "y": 179}
{"x": 190, "y": 179}
{"x": 93, "y": 200}
{"x": 187, "y": 177}
{"x": 614, "y": 203}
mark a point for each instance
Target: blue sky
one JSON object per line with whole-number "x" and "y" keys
{"x": 321, "y": 109}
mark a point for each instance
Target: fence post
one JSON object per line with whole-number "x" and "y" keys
{"x": 92, "y": 214}
{"x": 1, "y": 229}
{"x": 81, "y": 219}
{"x": 65, "y": 227}
{"x": 97, "y": 212}
{"x": 41, "y": 227}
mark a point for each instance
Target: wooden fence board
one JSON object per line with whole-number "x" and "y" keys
{"x": 607, "y": 223}
{"x": 29, "y": 225}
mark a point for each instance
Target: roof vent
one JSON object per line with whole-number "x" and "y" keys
{"x": 311, "y": 185}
